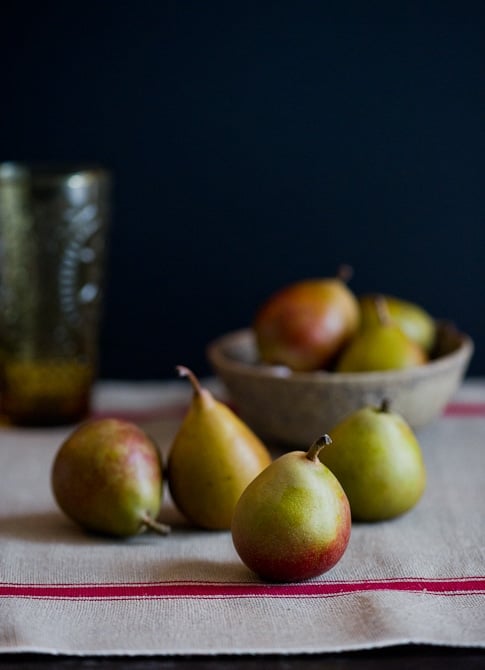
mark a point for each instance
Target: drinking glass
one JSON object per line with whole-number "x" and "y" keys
{"x": 53, "y": 229}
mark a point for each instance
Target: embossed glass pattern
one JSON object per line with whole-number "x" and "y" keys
{"x": 52, "y": 236}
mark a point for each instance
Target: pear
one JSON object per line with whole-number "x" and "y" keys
{"x": 212, "y": 459}
{"x": 107, "y": 477}
{"x": 305, "y": 324}
{"x": 413, "y": 320}
{"x": 293, "y": 521}
{"x": 381, "y": 346}
{"x": 378, "y": 460}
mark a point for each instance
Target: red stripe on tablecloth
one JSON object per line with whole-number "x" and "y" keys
{"x": 457, "y": 409}
{"x": 465, "y": 409}
{"x": 221, "y": 590}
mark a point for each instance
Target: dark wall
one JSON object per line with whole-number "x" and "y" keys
{"x": 256, "y": 143}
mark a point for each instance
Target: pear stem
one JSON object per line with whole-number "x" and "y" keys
{"x": 345, "y": 273}
{"x": 385, "y": 405}
{"x": 382, "y": 310}
{"x": 317, "y": 446}
{"x": 185, "y": 372}
{"x": 160, "y": 528}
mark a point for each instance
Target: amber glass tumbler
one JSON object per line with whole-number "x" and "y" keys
{"x": 53, "y": 232}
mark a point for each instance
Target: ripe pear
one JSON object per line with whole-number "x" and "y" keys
{"x": 293, "y": 521}
{"x": 413, "y": 320}
{"x": 107, "y": 477}
{"x": 304, "y": 325}
{"x": 377, "y": 458}
{"x": 381, "y": 346}
{"x": 212, "y": 459}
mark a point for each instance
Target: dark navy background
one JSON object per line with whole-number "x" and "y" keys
{"x": 256, "y": 143}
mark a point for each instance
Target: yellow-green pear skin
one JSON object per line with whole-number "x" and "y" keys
{"x": 377, "y": 458}
{"x": 413, "y": 320}
{"x": 293, "y": 521}
{"x": 381, "y": 346}
{"x": 212, "y": 459}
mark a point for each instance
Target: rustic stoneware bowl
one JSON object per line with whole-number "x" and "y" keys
{"x": 294, "y": 408}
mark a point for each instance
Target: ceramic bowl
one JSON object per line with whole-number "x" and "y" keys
{"x": 294, "y": 408}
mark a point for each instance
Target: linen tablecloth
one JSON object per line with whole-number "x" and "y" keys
{"x": 419, "y": 578}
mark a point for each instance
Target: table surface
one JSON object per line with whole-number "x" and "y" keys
{"x": 393, "y": 656}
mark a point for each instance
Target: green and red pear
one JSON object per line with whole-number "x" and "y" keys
{"x": 306, "y": 324}
{"x": 293, "y": 521}
{"x": 107, "y": 477}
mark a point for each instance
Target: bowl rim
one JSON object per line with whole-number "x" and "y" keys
{"x": 215, "y": 353}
